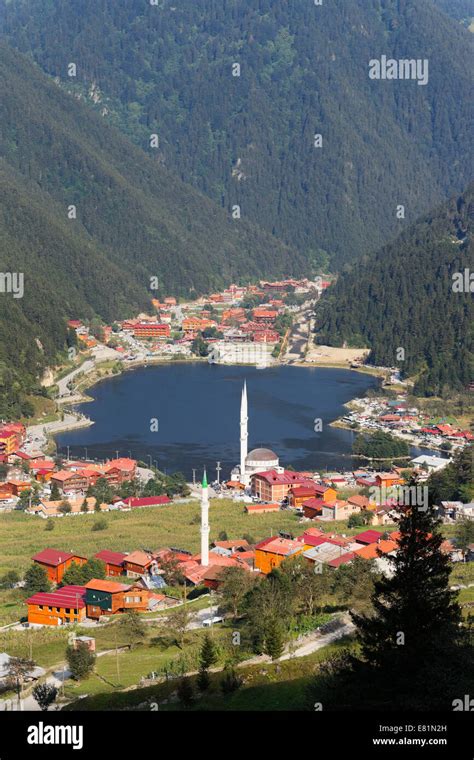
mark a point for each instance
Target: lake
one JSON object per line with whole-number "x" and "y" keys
{"x": 196, "y": 409}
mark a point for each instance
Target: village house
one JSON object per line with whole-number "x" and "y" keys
{"x": 228, "y": 548}
{"x": 196, "y": 324}
{"x": 18, "y": 486}
{"x": 12, "y": 435}
{"x": 266, "y": 336}
{"x": 312, "y": 508}
{"x": 56, "y": 562}
{"x": 233, "y": 315}
{"x": 388, "y": 479}
{"x": 367, "y": 537}
{"x": 298, "y": 494}
{"x": 138, "y": 563}
{"x": 264, "y": 316}
{"x": 371, "y": 551}
{"x": 271, "y": 552}
{"x": 66, "y": 605}
{"x": 105, "y": 597}
{"x": 53, "y": 508}
{"x": 359, "y": 501}
{"x": 337, "y": 510}
{"x": 325, "y": 551}
{"x": 272, "y": 485}
{"x": 146, "y": 501}
{"x": 325, "y": 492}
{"x": 70, "y": 482}
{"x": 261, "y": 509}
{"x": 383, "y": 516}
{"x": 114, "y": 562}
{"x": 312, "y": 536}
{"x": 450, "y": 511}
{"x": 194, "y": 572}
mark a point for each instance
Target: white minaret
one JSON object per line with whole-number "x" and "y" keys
{"x": 204, "y": 523}
{"x": 244, "y": 434}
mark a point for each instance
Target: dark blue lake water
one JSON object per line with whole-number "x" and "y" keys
{"x": 197, "y": 407}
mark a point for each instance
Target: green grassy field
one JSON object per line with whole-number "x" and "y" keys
{"x": 265, "y": 687}
{"x": 21, "y": 536}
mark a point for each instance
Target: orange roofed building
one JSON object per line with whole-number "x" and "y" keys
{"x": 271, "y": 552}
{"x": 388, "y": 479}
{"x": 109, "y": 597}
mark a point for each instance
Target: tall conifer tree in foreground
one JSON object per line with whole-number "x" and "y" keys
{"x": 414, "y": 648}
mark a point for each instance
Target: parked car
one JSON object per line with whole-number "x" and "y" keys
{"x": 211, "y": 620}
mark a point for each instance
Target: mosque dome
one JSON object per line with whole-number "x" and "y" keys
{"x": 258, "y": 456}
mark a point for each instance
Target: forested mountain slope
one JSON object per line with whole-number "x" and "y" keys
{"x": 167, "y": 69}
{"x": 406, "y": 297}
{"x": 461, "y": 10}
{"x": 134, "y": 220}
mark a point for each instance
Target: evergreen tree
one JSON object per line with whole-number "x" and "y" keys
{"x": 207, "y": 657}
{"x": 55, "y": 495}
{"x": 80, "y": 660}
{"x": 274, "y": 639}
{"x": 36, "y": 580}
{"x": 185, "y": 692}
{"x": 45, "y": 694}
{"x": 414, "y": 650}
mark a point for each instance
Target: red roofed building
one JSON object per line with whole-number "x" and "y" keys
{"x": 147, "y": 501}
{"x": 66, "y": 605}
{"x": 313, "y": 508}
{"x": 367, "y": 537}
{"x": 264, "y": 316}
{"x": 56, "y": 562}
{"x": 272, "y": 485}
{"x": 266, "y": 336}
{"x": 312, "y": 536}
{"x": 113, "y": 562}
{"x": 297, "y": 495}
{"x": 342, "y": 560}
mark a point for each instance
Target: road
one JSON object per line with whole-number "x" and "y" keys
{"x": 311, "y": 644}
{"x": 300, "y": 334}
{"x": 37, "y": 435}
{"x": 29, "y": 703}
{"x": 99, "y": 354}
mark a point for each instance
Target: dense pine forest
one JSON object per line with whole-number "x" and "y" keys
{"x": 246, "y": 136}
{"x": 461, "y": 10}
{"x": 132, "y": 220}
{"x": 407, "y": 298}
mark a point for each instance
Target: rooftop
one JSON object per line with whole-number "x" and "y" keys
{"x": 67, "y": 596}
{"x": 53, "y": 557}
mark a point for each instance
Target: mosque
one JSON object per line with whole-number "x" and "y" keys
{"x": 257, "y": 460}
